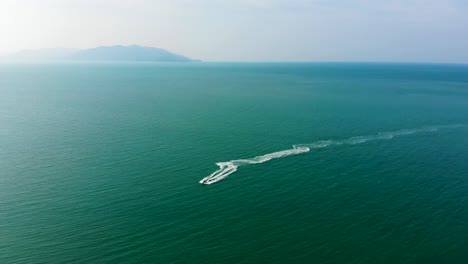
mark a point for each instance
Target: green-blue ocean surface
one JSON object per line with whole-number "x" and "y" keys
{"x": 317, "y": 163}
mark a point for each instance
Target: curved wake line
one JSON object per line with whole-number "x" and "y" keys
{"x": 229, "y": 167}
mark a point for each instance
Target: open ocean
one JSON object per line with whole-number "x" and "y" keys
{"x": 317, "y": 163}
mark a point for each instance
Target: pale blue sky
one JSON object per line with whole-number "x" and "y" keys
{"x": 247, "y": 30}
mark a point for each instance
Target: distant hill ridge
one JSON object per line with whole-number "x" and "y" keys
{"x": 104, "y": 53}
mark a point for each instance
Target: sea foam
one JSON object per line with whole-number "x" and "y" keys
{"x": 229, "y": 167}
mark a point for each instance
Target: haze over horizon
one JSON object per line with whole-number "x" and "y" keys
{"x": 247, "y": 30}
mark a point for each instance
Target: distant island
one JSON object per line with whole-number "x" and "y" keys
{"x": 105, "y": 54}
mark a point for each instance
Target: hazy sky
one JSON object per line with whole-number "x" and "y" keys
{"x": 247, "y": 30}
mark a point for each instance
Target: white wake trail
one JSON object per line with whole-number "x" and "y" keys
{"x": 229, "y": 167}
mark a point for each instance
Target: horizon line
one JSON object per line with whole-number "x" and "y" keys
{"x": 195, "y": 61}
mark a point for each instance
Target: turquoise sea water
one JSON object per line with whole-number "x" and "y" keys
{"x": 101, "y": 163}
